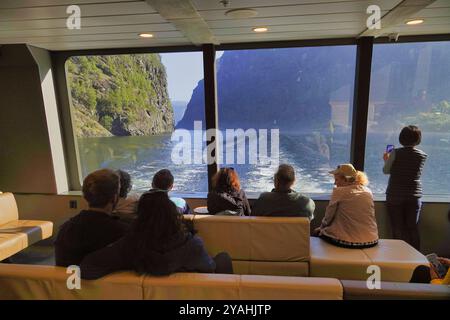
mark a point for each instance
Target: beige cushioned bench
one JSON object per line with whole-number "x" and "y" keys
{"x": 282, "y": 246}
{"x": 46, "y": 282}
{"x": 15, "y": 234}
{"x": 258, "y": 245}
{"x": 357, "y": 290}
{"x": 396, "y": 259}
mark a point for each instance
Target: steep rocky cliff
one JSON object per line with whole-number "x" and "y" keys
{"x": 119, "y": 95}
{"x": 275, "y": 88}
{"x": 292, "y": 88}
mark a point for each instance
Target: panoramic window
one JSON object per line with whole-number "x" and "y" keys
{"x": 290, "y": 105}
{"x": 410, "y": 85}
{"x": 125, "y": 111}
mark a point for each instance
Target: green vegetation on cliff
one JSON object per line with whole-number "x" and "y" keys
{"x": 119, "y": 95}
{"x": 437, "y": 120}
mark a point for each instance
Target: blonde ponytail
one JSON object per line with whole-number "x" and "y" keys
{"x": 361, "y": 178}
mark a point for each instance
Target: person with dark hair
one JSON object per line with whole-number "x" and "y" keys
{"x": 405, "y": 165}
{"x": 227, "y": 195}
{"x": 127, "y": 203}
{"x": 282, "y": 201}
{"x": 158, "y": 244}
{"x": 95, "y": 227}
{"x": 163, "y": 180}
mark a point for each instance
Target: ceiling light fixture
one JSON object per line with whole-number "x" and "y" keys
{"x": 414, "y": 22}
{"x": 241, "y": 13}
{"x": 145, "y": 35}
{"x": 260, "y": 29}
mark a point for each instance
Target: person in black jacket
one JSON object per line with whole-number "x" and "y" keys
{"x": 404, "y": 188}
{"x": 95, "y": 227}
{"x": 158, "y": 243}
{"x": 227, "y": 194}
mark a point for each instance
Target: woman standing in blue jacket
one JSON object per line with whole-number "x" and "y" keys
{"x": 158, "y": 243}
{"x": 405, "y": 189}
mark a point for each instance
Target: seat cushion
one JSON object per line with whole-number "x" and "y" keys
{"x": 8, "y": 208}
{"x": 192, "y": 286}
{"x": 11, "y": 243}
{"x": 19, "y": 234}
{"x": 396, "y": 259}
{"x": 294, "y": 269}
{"x": 35, "y": 230}
{"x": 289, "y": 288}
{"x": 48, "y": 282}
{"x": 335, "y": 262}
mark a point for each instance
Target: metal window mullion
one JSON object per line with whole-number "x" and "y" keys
{"x": 210, "y": 88}
{"x": 361, "y": 101}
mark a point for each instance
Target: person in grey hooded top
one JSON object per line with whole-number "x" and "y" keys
{"x": 282, "y": 201}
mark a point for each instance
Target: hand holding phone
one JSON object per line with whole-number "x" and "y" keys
{"x": 438, "y": 267}
{"x": 390, "y": 148}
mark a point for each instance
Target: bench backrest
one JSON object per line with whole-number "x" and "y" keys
{"x": 255, "y": 238}
{"x": 8, "y": 208}
{"x": 48, "y": 282}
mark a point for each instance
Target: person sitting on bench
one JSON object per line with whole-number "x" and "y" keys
{"x": 159, "y": 243}
{"x": 95, "y": 227}
{"x": 349, "y": 220}
{"x": 282, "y": 201}
{"x": 163, "y": 180}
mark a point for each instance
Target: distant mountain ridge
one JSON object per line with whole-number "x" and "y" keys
{"x": 275, "y": 88}
{"x": 291, "y": 88}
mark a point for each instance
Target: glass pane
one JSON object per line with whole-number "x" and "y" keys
{"x": 410, "y": 85}
{"x": 126, "y": 108}
{"x": 304, "y": 93}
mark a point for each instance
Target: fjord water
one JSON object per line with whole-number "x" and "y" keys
{"x": 142, "y": 156}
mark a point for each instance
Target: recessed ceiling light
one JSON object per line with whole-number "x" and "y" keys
{"x": 241, "y": 13}
{"x": 145, "y": 35}
{"x": 260, "y": 29}
{"x": 415, "y": 21}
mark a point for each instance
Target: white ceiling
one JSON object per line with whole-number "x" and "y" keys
{"x": 116, "y": 23}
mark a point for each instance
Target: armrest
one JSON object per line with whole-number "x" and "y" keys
{"x": 357, "y": 290}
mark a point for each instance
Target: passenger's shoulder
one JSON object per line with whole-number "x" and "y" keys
{"x": 421, "y": 152}
{"x": 340, "y": 190}
{"x": 303, "y": 197}
{"x": 367, "y": 190}
{"x": 133, "y": 197}
{"x": 242, "y": 192}
{"x": 264, "y": 195}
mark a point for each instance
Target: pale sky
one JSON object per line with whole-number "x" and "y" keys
{"x": 184, "y": 71}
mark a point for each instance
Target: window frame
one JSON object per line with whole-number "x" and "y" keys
{"x": 66, "y": 118}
